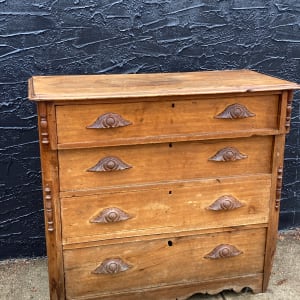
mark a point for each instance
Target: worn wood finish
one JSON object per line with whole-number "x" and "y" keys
{"x": 160, "y": 186}
{"x": 186, "y": 290}
{"x": 180, "y": 207}
{"x": 169, "y": 235}
{"x": 274, "y": 210}
{"x": 51, "y": 201}
{"x": 158, "y": 119}
{"x": 170, "y": 138}
{"x": 278, "y": 154}
{"x": 81, "y": 87}
{"x": 158, "y": 259}
{"x": 162, "y": 162}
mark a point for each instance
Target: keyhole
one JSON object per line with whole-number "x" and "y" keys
{"x": 170, "y": 243}
{"x": 170, "y": 192}
{"x": 173, "y": 105}
{"x": 170, "y": 145}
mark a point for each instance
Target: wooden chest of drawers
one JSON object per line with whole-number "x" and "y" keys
{"x": 160, "y": 186}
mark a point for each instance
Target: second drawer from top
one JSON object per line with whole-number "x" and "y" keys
{"x": 83, "y": 169}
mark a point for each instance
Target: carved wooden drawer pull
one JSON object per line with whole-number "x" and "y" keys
{"x": 228, "y": 154}
{"x": 110, "y": 215}
{"x": 109, "y": 120}
{"x": 108, "y": 164}
{"x": 226, "y": 202}
{"x": 235, "y": 111}
{"x": 112, "y": 266}
{"x": 223, "y": 251}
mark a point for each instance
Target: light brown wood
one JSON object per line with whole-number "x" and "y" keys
{"x": 157, "y": 261}
{"x": 51, "y": 203}
{"x": 161, "y": 185}
{"x": 161, "y": 210}
{"x": 184, "y": 291}
{"x": 169, "y": 138}
{"x": 165, "y": 118}
{"x": 162, "y": 162}
{"x": 83, "y": 87}
{"x": 174, "y": 188}
{"x": 133, "y": 239}
{"x": 278, "y": 154}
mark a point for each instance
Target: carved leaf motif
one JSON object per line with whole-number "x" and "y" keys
{"x": 226, "y": 202}
{"x": 223, "y": 251}
{"x": 109, "y": 120}
{"x": 110, "y": 215}
{"x": 112, "y": 266}
{"x": 228, "y": 154}
{"x": 108, "y": 164}
{"x": 235, "y": 111}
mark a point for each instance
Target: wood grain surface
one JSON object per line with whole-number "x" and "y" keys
{"x": 81, "y": 87}
{"x": 185, "y": 290}
{"x": 158, "y": 261}
{"x": 181, "y": 207}
{"x": 49, "y": 163}
{"x": 161, "y": 162}
{"x": 155, "y": 120}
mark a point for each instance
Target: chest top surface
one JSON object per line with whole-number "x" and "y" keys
{"x": 81, "y": 87}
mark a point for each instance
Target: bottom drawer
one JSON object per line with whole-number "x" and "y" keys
{"x": 117, "y": 268}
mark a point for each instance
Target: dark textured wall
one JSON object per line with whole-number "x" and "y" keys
{"x": 127, "y": 36}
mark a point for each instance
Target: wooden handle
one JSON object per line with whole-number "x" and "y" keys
{"x": 109, "y": 120}
{"x": 112, "y": 266}
{"x": 228, "y": 154}
{"x": 235, "y": 111}
{"x": 226, "y": 202}
{"x": 108, "y": 164}
{"x": 223, "y": 251}
{"x": 110, "y": 215}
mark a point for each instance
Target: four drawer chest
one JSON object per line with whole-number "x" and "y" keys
{"x": 160, "y": 186}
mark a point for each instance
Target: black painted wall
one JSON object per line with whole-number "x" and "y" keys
{"x": 128, "y": 36}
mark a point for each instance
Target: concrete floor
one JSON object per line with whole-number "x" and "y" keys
{"x": 24, "y": 279}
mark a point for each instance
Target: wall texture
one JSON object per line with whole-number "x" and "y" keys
{"x": 128, "y": 36}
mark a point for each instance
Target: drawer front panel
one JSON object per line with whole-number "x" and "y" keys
{"x": 190, "y": 206}
{"x": 99, "y": 167}
{"x": 103, "y": 269}
{"x": 125, "y": 123}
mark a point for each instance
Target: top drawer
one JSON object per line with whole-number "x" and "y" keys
{"x": 188, "y": 118}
